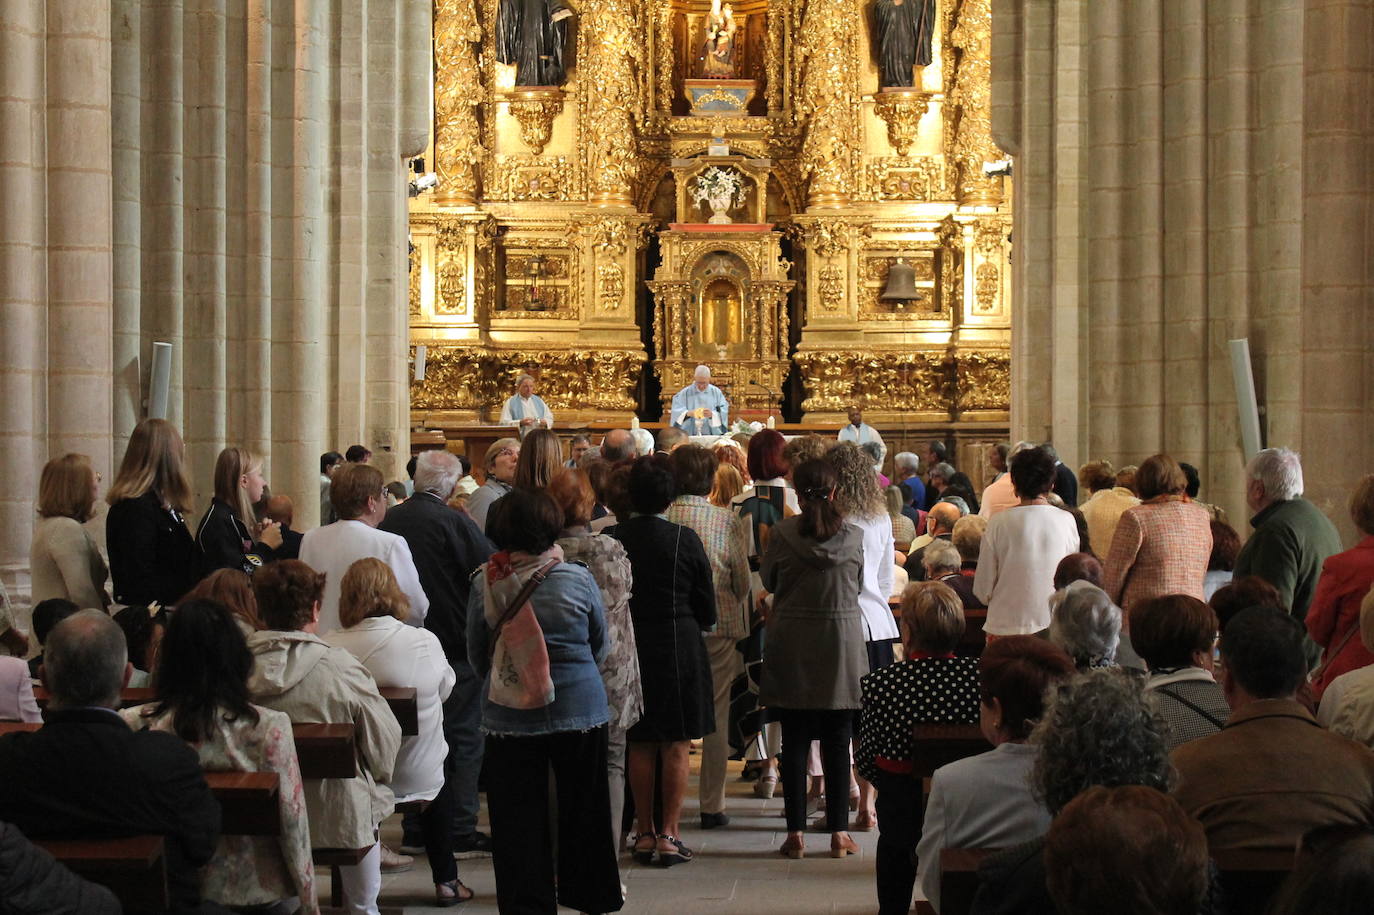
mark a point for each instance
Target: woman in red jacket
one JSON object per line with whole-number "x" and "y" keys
{"x": 1333, "y": 620}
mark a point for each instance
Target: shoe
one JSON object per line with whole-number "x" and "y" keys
{"x": 821, "y": 824}
{"x": 841, "y": 844}
{"x": 645, "y": 854}
{"x": 793, "y": 847}
{"x": 865, "y": 821}
{"x": 750, "y": 772}
{"x": 765, "y": 786}
{"x": 412, "y": 845}
{"x": 712, "y": 820}
{"x": 452, "y": 893}
{"x": 393, "y": 863}
{"x": 678, "y": 854}
{"x": 474, "y": 845}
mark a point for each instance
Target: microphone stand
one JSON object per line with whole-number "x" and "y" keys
{"x": 772, "y": 394}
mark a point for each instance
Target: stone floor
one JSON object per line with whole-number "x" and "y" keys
{"x": 737, "y": 870}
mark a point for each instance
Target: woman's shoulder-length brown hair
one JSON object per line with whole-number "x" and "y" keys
{"x": 66, "y": 490}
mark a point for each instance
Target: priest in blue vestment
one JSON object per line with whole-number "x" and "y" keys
{"x": 700, "y": 408}
{"x": 525, "y": 410}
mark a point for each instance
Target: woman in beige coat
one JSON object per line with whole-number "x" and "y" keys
{"x": 297, "y": 672}
{"x": 65, "y": 560}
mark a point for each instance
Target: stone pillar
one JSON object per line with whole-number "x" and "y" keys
{"x": 55, "y": 253}
{"x": 1188, "y": 173}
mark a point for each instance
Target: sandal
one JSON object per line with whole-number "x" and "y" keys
{"x": 451, "y": 893}
{"x": 680, "y": 854}
{"x": 765, "y": 786}
{"x": 645, "y": 855}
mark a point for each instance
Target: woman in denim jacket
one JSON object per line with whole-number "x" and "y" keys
{"x": 547, "y": 710}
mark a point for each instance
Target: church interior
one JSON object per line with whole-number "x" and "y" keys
{"x": 978, "y": 221}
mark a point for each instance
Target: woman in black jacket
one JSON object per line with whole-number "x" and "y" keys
{"x": 229, "y": 536}
{"x": 152, "y": 552}
{"x": 672, "y": 602}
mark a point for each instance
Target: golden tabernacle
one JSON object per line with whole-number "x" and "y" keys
{"x": 804, "y": 195}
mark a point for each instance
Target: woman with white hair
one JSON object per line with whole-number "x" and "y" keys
{"x": 1086, "y": 624}
{"x": 524, "y": 409}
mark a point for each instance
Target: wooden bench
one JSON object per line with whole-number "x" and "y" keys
{"x": 401, "y": 700}
{"x": 1249, "y": 877}
{"x": 134, "y": 868}
{"x": 972, "y": 642}
{"x": 936, "y": 745}
{"x": 248, "y": 802}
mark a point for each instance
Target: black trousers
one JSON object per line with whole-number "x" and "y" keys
{"x": 833, "y": 728}
{"x": 899, "y": 829}
{"x": 436, "y": 824}
{"x": 518, "y": 799}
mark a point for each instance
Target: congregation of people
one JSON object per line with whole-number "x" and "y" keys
{"x": 1153, "y": 689}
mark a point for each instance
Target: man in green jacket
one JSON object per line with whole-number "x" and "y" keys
{"x": 1292, "y": 538}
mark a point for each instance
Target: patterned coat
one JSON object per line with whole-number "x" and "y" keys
{"x": 928, "y": 690}
{"x": 254, "y": 870}
{"x": 1160, "y": 547}
{"x": 605, "y": 558}
{"x": 726, "y": 538}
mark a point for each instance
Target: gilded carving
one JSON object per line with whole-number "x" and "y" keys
{"x": 776, "y": 22}
{"x": 530, "y": 178}
{"x": 830, "y": 237}
{"x": 916, "y": 179}
{"x": 416, "y": 268}
{"x": 913, "y": 381}
{"x": 832, "y": 288}
{"x": 451, "y": 292}
{"x": 826, "y": 46}
{"x": 472, "y": 378}
{"x": 457, "y": 93}
{"x": 984, "y": 381}
{"x": 534, "y": 110}
{"x": 607, "y": 61}
{"x": 663, "y": 62}
{"x": 987, "y": 280}
{"x": 610, "y": 282}
{"x": 969, "y": 106}
{"x": 902, "y": 110}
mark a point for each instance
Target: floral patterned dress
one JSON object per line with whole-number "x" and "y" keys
{"x": 254, "y": 870}
{"x": 606, "y": 559}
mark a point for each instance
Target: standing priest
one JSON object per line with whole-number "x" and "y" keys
{"x": 700, "y": 408}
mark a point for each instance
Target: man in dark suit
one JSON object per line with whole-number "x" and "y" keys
{"x": 86, "y": 775}
{"x": 447, "y": 548}
{"x": 281, "y": 510}
{"x": 1065, "y": 480}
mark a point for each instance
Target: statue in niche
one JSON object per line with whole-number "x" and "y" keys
{"x": 531, "y": 34}
{"x": 718, "y": 51}
{"x": 903, "y": 30}
{"x": 722, "y": 315}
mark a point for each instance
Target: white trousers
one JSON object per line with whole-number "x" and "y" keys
{"x": 362, "y": 882}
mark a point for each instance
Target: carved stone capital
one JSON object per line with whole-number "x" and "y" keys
{"x": 902, "y": 109}
{"x": 534, "y": 109}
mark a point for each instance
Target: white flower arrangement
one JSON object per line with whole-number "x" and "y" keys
{"x": 721, "y": 188}
{"x": 747, "y": 428}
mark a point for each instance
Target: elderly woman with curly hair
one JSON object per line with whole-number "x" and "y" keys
{"x": 1098, "y": 729}
{"x": 1086, "y": 624}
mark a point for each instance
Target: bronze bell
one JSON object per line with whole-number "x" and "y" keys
{"x": 901, "y": 283}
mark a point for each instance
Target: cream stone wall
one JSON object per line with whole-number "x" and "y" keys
{"x": 1189, "y": 172}
{"x": 227, "y": 177}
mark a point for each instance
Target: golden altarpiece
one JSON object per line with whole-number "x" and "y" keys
{"x": 573, "y": 233}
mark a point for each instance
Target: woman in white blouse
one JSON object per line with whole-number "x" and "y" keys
{"x": 65, "y": 560}
{"x": 1021, "y": 548}
{"x": 860, "y": 500}
{"x": 371, "y": 609}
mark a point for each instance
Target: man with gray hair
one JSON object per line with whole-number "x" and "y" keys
{"x": 700, "y": 408}
{"x": 1292, "y": 537}
{"x": 85, "y": 774}
{"x": 447, "y": 547}
{"x": 940, "y": 523}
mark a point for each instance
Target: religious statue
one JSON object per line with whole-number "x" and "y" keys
{"x": 903, "y": 30}
{"x": 532, "y": 34}
{"x": 718, "y": 52}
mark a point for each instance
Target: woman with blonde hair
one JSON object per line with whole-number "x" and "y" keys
{"x": 229, "y": 535}
{"x": 65, "y": 561}
{"x": 152, "y": 552}
{"x": 541, "y": 457}
{"x": 372, "y": 611}
{"x": 727, "y": 484}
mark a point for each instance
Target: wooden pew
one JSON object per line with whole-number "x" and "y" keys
{"x": 134, "y": 869}
{"x": 1249, "y": 877}
{"x": 972, "y": 642}
{"x": 937, "y": 745}
{"x": 401, "y": 700}
{"x": 248, "y": 802}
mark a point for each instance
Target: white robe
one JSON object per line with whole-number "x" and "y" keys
{"x": 689, "y": 399}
